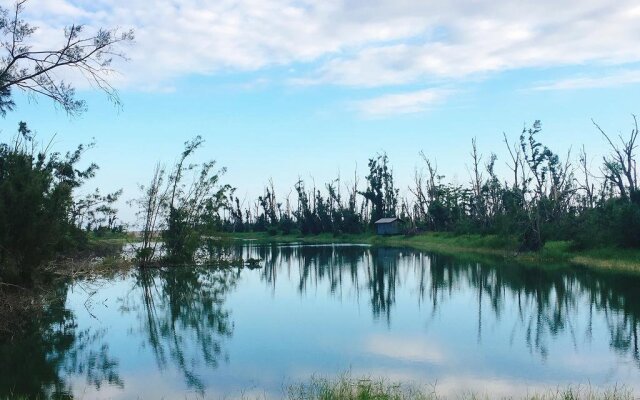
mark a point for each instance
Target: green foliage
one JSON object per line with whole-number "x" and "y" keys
{"x": 381, "y": 193}
{"x": 182, "y": 208}
{"x": 96, "y": 213}
{"x": 36, "y": 203}
{"x": 541, "y": 201}
{"x": 308, "y": 219}
{"x": 35, "y": 71}
{"x": 613, "y": 221}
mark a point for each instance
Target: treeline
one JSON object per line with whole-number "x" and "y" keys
{"x": 545, "y": 196}
{"x": 337, "y": 207}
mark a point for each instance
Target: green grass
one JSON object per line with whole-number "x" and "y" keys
{"x": 490, "y": 245}
{"x": 554, "y": 252}
{"x": 347, "y": 387}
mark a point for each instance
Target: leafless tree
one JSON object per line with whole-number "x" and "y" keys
{"x": 33, "y": 70}
{"x": 516, "y": 158}
{"x": 587, "y": 184}
{"x": 476, "y": 178}
{"x": 433, "y": 179}
{"x": 421, "y": 204}
{"x": 151, "y": 213}
{"x": 620, "y": 167}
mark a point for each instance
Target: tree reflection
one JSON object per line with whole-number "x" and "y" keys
{"x": 184, "y": 318}
{"x": 40, "y": 363}
{"x": 382, "y": 280}
{"x": 547, "y": 300}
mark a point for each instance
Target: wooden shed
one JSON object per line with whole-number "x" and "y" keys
{"x": 388, "y": 226}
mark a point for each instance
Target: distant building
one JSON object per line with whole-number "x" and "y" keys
{"x": 388, "y": 226}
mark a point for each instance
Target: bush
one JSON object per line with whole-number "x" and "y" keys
{"x": 36, "y": 199}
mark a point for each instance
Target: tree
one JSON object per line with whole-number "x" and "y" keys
{"x": 620, "y": 166}
{"x": 152, "y": 209}
{"x": 194, "y": 205}
{"x": 36, "y": 203}
{"x": 96, "y": 212}
{"x": 381, "y": 192}
{"x": 33, "y": 70}
{"x": 182, "y": 207}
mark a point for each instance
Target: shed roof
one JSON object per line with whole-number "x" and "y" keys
{"x": 387, "y": 220}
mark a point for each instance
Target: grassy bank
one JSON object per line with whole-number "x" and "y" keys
{"x": 490, "y": 245}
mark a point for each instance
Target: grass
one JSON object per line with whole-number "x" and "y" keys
{"x": 608, "y": 258}
{"x": 347, "y": 387}
{"x": 615, "y": 259}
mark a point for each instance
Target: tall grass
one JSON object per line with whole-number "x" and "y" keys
{"x": 347, "y": 387}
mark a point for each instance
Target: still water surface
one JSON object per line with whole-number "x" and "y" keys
{"x": 457, "y": 324}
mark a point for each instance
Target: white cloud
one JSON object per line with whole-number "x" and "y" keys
{"x": 406, "y": 349}
{"x": 355, "y": 43}
{"x": 619, "y": 78}
{"x": 539, "y": 35}
{"x": 401, "y": 103}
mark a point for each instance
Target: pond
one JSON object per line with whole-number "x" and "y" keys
{"x": 456, "y": 324}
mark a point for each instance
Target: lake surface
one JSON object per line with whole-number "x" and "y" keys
{"x": 457, "y": 324}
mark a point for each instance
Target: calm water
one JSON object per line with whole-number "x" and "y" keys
{"x": 458, "y": 324}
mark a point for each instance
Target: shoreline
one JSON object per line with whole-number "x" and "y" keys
{"x": 613, "y": 259}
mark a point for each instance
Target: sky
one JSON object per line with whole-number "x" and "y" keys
{"x": 283, "y": 89}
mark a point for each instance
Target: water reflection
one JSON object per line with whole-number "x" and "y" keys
{"x": 38, "y": 364}
{"x": 547, "y": 299}
{"x": 183, "y": 306}
{"x": 184, "y": 322}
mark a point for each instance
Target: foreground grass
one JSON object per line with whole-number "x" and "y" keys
{"x": 490, "y": 245}
{"x": 349, "y": 388}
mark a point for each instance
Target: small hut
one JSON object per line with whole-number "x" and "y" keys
{"x": 388, "y": 226}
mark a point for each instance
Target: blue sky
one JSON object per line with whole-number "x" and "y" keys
{"x": 281, "y": 89}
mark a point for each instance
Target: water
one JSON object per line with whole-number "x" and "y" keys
{"x": 457, "y": 324}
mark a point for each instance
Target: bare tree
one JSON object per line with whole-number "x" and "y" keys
{"x": 476, "y": 178}
{"x": 516, "y": 158}
{"x": 34, "y": 70}
{"x": 433, "y": 179}
{"x": 421, "y": 204}
{"x": 151, "y": 212}
{"x": 586, "y": 185}
{"x": 620, "y": 167}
